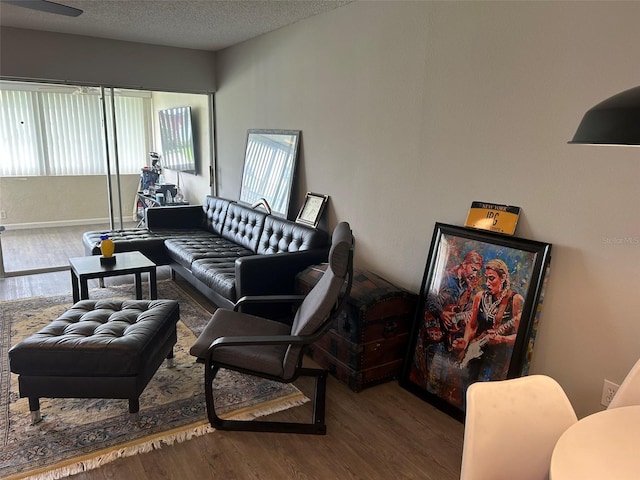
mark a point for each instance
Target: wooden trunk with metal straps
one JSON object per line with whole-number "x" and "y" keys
{"x": 368, "y": 343}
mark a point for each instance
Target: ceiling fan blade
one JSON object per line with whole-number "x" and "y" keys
{"x": 46, "y": 6}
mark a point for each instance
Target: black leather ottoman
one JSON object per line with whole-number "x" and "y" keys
{"x": 96, "y": 349}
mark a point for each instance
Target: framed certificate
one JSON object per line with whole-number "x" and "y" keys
{"x": 312, "y": 209}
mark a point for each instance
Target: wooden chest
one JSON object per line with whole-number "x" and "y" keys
{"x": 368, "y": 343}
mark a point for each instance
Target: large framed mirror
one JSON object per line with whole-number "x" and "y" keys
{"x": 269, "y": 170}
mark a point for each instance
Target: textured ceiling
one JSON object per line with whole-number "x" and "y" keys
{"x": 198, "y": 24}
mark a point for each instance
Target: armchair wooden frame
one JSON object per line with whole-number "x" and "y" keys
{"x": 317, "y": 425}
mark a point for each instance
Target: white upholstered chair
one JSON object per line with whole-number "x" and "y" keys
{"x": 629, "y": 391}
{"x": 512, "y": 426}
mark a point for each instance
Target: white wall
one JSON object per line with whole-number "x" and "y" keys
{"x": 31, "y": 54}
{"x": 412, "y": 110}
{"x": 34, "y": 202}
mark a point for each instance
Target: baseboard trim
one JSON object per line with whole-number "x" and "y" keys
{"x": 35, "y": 271}
{"x": 63, "y": 223}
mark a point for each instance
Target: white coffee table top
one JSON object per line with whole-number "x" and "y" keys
{"x": 605, "y": 445}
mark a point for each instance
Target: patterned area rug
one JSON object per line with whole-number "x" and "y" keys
{"x": 80, "y": 434}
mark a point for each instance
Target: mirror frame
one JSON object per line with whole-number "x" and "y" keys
{"x": 279, "y": 201}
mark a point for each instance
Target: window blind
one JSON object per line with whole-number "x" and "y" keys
{"x": 49, "y": 133}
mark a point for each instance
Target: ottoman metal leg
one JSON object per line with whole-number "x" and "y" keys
{"x": 34, "y": 408}
{"x": 134, "y": 408}
{"x": 170, "y": 360}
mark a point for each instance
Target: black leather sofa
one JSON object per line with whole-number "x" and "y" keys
{"x": 225, "y": 249}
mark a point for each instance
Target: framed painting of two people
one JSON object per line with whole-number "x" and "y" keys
{"x": 477, "y": 313}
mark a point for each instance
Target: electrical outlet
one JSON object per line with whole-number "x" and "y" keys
{"x": 609, "y": 389}
{"x": 3, "y": 214}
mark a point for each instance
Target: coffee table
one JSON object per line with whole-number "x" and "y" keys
{"x": 84, "y": 268}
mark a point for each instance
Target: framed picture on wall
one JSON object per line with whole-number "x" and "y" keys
{"x": 476, "y": 313}
{"x": 312, "y": 209}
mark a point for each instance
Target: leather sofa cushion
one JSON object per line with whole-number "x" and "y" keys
{"x": 215, "y": 210}
{"x": 243, "y": 225}
{"x": 219, "y": 274}
{"x": 126, "y": 240}
{"x": 150, "y": 244}
{"x": 98, "y": 338}
{"x": 187, "y": 250}
{"x": 279, "y": 235}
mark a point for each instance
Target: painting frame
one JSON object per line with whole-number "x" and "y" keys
{"x": 481, "y": 292}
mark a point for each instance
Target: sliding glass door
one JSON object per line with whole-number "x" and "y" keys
{"x": 70, "y": 161}
{"x": 127, "y": 130}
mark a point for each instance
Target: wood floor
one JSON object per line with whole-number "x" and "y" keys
{"x": 44, "y": 247}
{"x": 383, "y": 432}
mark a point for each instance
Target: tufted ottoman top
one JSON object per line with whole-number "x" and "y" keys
{"x": 97, "y": 338}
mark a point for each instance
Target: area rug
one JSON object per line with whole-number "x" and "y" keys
{"x": 80, "y": 434}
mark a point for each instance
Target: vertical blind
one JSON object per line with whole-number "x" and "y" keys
{"x": 49, "y": 133}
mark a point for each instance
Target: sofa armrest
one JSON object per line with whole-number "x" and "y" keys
{"x": 274, "y": 274}
{"x": 179, "y": 216}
